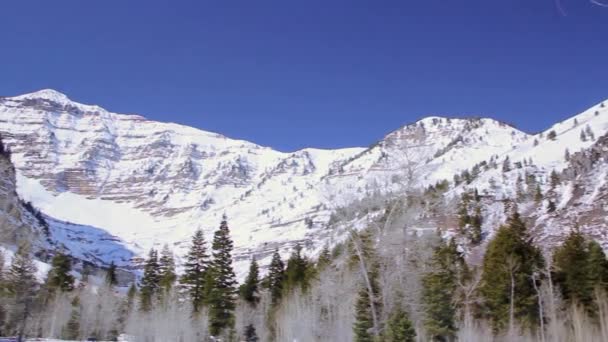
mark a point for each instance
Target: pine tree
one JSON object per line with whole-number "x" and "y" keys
{"x": 400, "y": 328}
{"x": 222, "y": 293}
{"x": 476, "y": 223}
{"x": 111, "y": 278}
{"x": 551, "y": 207}
{"x": 580, "y": 267}
{"x": 71, "y": 331}
{"x": 324, "y": 259}
{"x": 597, "y": 266}
{"x": 364, "y": 324}
{"x": 439, "y": 286}
{"x": 150, "y": 283}
{"x": 538, "y": 194}
{"x": 464, "y": 218}
{"x": 276, "y": 278}
{"x": 166, "y": 269}
{"x": 506, "y": 165}
{"x": 583, "y": 136}
{"x": 552, "y": 135}
{"x": 195, "y": 271}
{"x": 59, "y": 277}
{"x": 250, "y": 334}
{"x": 249, "y": 290}
{"x": 21, "y": 286}
{"x": 507, "y": 286}
{"x": 297, "y": 270}
{"x": 589, "y": 133}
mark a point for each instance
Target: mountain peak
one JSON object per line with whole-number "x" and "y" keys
{"x": 45, "y": 94}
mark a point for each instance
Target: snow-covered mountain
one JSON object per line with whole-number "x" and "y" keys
{"x": 113, "y": 185}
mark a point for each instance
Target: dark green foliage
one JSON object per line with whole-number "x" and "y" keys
{"x": 570, "y": 261}
{"x": 166, "y": 270}
{"x": 400, "y": 328}
{"x": 580, "y": 267}
{"x": 298, "y": 270}
{"x": 111, "y": 275}
{"x": 195, "y": 271}
{"x": 476, "y": 222}
{"x": 364, "y": 324}
{"x": 250, "y": 289}
{"x": 597, "y": 266}
{"x": 276, "y": 278}
{"x": 552, "y": 135}
{"x": 508, "y": 266}
{"x": 222, "y": 293}
{"x": 324, "y": 259}
{"x": 250, "y": 334}
{"x": 59, "y": 277}
{"x": 150, "y": 283}
{"x": 439, "y": 286}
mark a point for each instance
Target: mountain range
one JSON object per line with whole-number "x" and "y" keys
{"x": 107, "y": 187}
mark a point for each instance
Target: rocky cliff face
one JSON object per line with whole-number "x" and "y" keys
{"x": 147, "y": 183}
{"x": 19, "y": 221}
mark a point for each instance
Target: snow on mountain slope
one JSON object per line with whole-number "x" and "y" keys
{"x": 146, "y": 183}
{"x": 575, "y": 149}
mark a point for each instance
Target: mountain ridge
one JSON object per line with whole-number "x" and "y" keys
{"x": 161, "y": 181}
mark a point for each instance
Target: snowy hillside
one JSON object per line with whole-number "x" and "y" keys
{"x": 116, "y": 185}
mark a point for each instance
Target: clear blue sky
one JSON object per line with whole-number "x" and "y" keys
{"x": 292, "y": 74}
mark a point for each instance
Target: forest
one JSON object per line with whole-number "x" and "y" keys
{"x": 388, "y": 282}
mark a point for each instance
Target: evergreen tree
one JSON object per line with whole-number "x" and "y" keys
{"x": 222, "y": 292}
{"x": 552, "y": 135}
{"x": 439, "y": 286}
{"x": 276, "y": 278}
{"x": 71, "y": 331}
{"x": 364, "y": 324}
{"x": 506, "y": 165}
{"x": 111, "y": 278}
{"x": 195, "y": 271}
{"x": 580, "y": 267}
{"x": 150, "y": 283}
{"x": 507, "y": 286}
{"x": 597, "y": 266}
{"x": 538, "y": 194}
{"x": 324, "y": 259}
{"x": 166, "y": 269}
{"x": 476, "y": 222}
{"x": 464, "y": 218}
{"x": 59, "y": 277}
{"x": 570, "y": 262}
{"x": 249, "y": 290}
{"x": 551, "y": 207}
{"x": 250, "y": 334}
{"x": 297, "y": 270}
{"x": 21, "y": 286}
{"x": 400, "y": 328}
